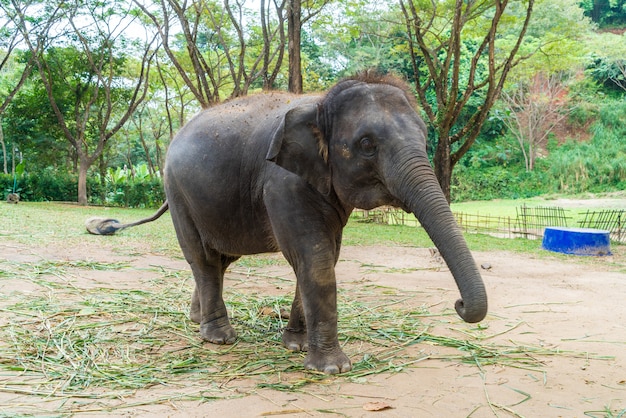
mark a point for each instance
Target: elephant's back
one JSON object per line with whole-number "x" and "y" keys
{"x": 229, "y": 128}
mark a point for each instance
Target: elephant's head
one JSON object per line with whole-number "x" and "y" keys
{"x": 365, "y": 142}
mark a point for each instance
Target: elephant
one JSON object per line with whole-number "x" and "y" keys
{"x": 280, "y": 172}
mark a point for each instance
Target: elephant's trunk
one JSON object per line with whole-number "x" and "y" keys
{"x": 415, "y": 184}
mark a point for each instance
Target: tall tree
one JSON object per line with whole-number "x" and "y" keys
{"x": 166, "y": 16}
{"x": 295, "y": 22}
{"x": 269, "y": 35}
{"x": 458, "y": 56}
{"x": 606, "y": 13}
{"x": 215, "y": 48}
{"x": 89, "y": 90}
{"x": 10, "y": 37}
{"x": 294, "y": 33}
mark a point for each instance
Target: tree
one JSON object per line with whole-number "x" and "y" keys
{"x": 216, "y": 50}
{"x": 534, "y": 109}
{"x": 87, "y": 83}
{"x": 269, "y": 35}
{"x": 10, "y": 37}
{"x": 294, "y": 32}
{"x": 606, "y": 13}
{"x": 457, "y": 56}
{"x": 295, "y": 21}
{"x": 360, "y": 36}
{"x": 609, "y": 66}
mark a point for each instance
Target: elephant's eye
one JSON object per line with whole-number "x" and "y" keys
{"x": 368, "y": 147}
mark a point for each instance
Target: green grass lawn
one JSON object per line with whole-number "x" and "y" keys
{"x": 53, "y": 223}
{"x": 500, "y": 207}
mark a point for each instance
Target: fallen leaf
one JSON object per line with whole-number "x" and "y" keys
{"x": 376, "y": 406}
{"x": 267, "y": 311}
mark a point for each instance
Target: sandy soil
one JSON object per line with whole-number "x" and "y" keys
{"x": 574, "y": 309}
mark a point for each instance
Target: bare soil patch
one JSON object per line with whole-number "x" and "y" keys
{"x": 556, "y": 328}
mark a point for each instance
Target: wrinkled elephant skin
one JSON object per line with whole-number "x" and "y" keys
{"x": 278, "y": 172}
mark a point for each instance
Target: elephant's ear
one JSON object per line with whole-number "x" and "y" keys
{"x": 297, "y": 145}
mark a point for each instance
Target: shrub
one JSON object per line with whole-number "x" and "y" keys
{"x": 6, "y": 185}
{"x": 137, "y": 193}
{"x": 50, "y": 185}
{"x": 496, "y": 182}
{"x": 55, "y": 185}
{"x": 598, "y": 165}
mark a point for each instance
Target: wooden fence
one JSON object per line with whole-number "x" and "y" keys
{"x": 528, "y": 223}
{"x": 613, "y": 221}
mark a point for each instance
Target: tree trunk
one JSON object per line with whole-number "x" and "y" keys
{"x": 442, "y": 162}
{"x": 102, "y": 169}
{"x": 294, "y": 28}
{"x": 4, "y": 149}
{"x": 83, "y": 166}
{"x": 436, "y": 66}
{"x": 146, "y": 150}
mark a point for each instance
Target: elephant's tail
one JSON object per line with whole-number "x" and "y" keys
{"x": 108, "y": 226}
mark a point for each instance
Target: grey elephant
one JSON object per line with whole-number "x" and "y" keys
{"x": 280, "y": 172}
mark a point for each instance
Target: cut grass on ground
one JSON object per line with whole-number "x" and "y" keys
{"x": 59, "y": 341}
{"x": 106, "y": 343}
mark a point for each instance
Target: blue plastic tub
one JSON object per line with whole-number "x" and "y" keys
{"x": 577, "y": 241}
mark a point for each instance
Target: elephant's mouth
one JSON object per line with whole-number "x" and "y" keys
{"x": 397, "y": 203}
{"x": 403, "y": 207}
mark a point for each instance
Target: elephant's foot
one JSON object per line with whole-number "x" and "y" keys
{"x": 329, "y": 362}
{"x": 295, "y": 340}
{"x": 194, "y": 315}
{"x": 218, "y": 332}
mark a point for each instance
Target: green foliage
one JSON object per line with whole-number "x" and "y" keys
{"x": 134, "y": 192}
{"x": 41, "y": 186}
{"x": 493, "y": 171}
{"x": 606, "y": 65}
{"x": 608, "y": 72}
{"x": 134, "y": 188}
{"x": 598, "y": 165}
{"x": 606, "y": 13}
{"x": 557, "y": 39}
{"x": 6, "y": 185}
{"x": 496, "y": 182}
{"x": 118, "y": 189}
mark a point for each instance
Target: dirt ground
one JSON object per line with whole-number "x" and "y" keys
{"x": 572, "y": 310}
{"x": 566, "y": 314}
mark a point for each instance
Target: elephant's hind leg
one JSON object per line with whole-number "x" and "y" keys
{"x": 195, "y": 313}
{"x": 208, "y": 267}
{"x": 207, "y": 306}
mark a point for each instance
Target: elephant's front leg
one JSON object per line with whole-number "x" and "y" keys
{"x": 307, "y": 229}
{"x": 294, "y": 335}
{"x": 318, "y": 291}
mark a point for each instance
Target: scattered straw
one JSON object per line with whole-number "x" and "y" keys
{"x": 63, "y": 342}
